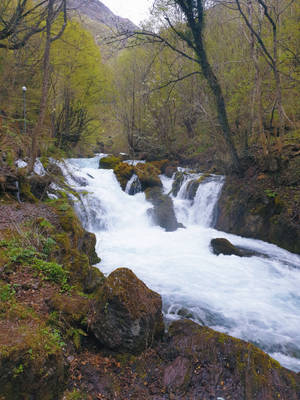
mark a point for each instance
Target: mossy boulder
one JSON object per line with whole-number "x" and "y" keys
{"x": 162, "y": 213}
{"x": 128, "y": 315}
{"x": 123, "y": 172}
{"x": 32, "y": 364}
{"x": 259, "y": 207}
{"x": 72, "y": 309}
{"x": 76, "y": 248}
{"x": 148, "y": 175}
{"x": 224, "y": 246}
{"x": 109, "y": 162}
{"x": 87, "y": 244}
{"x": 178, "y": 181}
{"x": 170, "y": 168}
{"x": 206, "y": 364}
{"x": 94, "y": 280}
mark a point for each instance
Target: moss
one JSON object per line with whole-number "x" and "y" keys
{"x": 109, "y": 162}
{"x": 32, "y": 363}
{"x": 73, "y": 308}
{"x": 123, "y": 172}
{"x": 148, "y": 175}
{"x": 25, "y": 191}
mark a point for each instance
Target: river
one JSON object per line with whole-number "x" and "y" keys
{"x": 253, "y": 298}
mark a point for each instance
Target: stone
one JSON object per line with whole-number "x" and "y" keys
{"x": 109, "y": 162}
{"x": 223, "y": 246}
{"x": 162, "y": 213}
{"x": 128, "y": 315}
{"x": 148, "y": 175}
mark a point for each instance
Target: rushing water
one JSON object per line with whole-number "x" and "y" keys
{"x": 254, "y": 298}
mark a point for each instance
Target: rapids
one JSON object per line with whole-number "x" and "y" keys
{"x": 253, "y": 298}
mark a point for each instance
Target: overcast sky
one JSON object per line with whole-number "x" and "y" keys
{"x": 135, "y": 10}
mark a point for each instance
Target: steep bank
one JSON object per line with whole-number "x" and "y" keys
{"x": 263, "y": 205}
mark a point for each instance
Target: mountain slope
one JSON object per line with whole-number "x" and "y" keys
{"x": 98, "y": 12}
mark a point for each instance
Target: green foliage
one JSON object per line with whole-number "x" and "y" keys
{"x": 29, "y": 256}
{"x": 7, "y": 292}
{"x": 270, "y": 193}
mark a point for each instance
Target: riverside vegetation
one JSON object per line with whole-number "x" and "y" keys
{"x": 68, "y": 332}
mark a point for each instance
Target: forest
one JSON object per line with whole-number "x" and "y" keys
{"x": 151, "y": 95}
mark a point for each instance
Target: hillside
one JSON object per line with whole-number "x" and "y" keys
{"x": 98, "y": 12}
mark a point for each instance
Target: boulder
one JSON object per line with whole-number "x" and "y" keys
{"x": 128, "y": 315}
{"x": 205, "y": 364}
{"x": 162, "y": 213}
{"x": 109, "y": 162}
{"x": 223, "y": 246}
{"x": 148, "y": 175}
{"x": 123, "y": 172}
{"x": 178, "y": 181}
{"x": 32, "y": 364}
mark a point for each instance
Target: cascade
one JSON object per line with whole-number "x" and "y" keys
{"x": 253, "y": 298}
{"x": 133, "y": 185}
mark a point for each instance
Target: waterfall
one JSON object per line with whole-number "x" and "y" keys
{"x": 252, "y": 298}
{"x": 133, "y": 185}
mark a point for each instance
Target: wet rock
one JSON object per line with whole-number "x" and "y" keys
{"x": 94, "y": 280}
{"x": 205, "y": 364}
{"x": 148, "y": 175}
{"x": 128, "y": 314}
{"x": 256, "y": 208}
{"x": 192, "y": 188}
{"x": 223, "y": 246}
{"x": 123, "y": 172}
{"x": 109, "y": 162}
{"x": 163, "y": 213}
{"x": 87, "y": 244}
{"x": 170, "y": 168}
{"x": 178, "y": 181}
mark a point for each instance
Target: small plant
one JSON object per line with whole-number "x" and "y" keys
{"x": 270, "y": 193}
{"x": 48, "y": 245}
{"x": 52, "y": 271}
{"x": 18, "y": 370}
{"x": 20, "y": 255}
{"x": 55, "y": 337}
{"x": 7, "y": 293}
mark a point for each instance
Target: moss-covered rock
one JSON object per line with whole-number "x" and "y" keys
{"x": 76, "y": 248}
{"x": 74, "y": 309}
{"x": 178, "y": 181}
{"x": 123, "y": 172}
{"x": 148, "y": 175}
{"x": 109, "y": 162}
{"x": 128, "y": 315}
{"x": 260, "y": 208}
{"x": 32, "y": 364}
{"x": 162, "y": 213}
{"x": 205, "y": 363}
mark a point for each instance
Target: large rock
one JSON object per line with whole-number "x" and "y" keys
{"x": 223, "y": 246}
{"x": 204, "y": 364}
{"x": 178, "y": 181}
{"x": 109, "y": 162}
{"x": 123, "y": 172}
{"x": 256, "y": 208}
{"x": 163, "y": 213}
{"x": 32, "y": 364}
{"x": 148, "y": 175}
{"x": 128, "y": 315}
